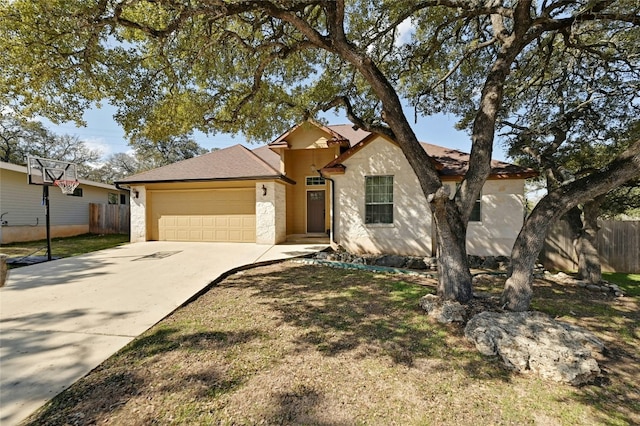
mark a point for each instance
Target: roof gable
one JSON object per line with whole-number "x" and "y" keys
{"x": 341, "y": 134}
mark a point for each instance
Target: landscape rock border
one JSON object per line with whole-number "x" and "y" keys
{"x": 603, "y": 287}
{"x": 499, "y": 263}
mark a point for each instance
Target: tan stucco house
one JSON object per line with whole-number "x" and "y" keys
{"x": 315, "y": 180}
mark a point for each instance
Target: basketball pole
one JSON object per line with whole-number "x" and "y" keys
{"x": 45, "y": 197}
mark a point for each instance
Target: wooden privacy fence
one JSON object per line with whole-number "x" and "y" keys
{"x": 618, "y": 247}
{"x": 109, "y": 218}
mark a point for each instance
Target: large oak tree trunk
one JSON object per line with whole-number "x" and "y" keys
{"x": 518, "y": 288}
{"x": 454, "y": 276}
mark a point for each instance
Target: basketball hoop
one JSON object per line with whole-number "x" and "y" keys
{"x": 67, "y": 186}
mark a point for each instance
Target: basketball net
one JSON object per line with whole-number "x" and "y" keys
{"x": 67, "y": 186}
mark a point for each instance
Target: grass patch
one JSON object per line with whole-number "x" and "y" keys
{"x": 630, "y": 283}
{"x": 65, "y": 247}
{"x": 307, "y": 344}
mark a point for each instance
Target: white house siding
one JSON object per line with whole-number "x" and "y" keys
{"x": 501, "y": 217}
{"x": 410, "y": 233}
{"x": 25, "y": 213}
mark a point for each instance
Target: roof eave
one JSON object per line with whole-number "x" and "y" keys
{"x": 337, "y": 169}
{"x": 229, "y": 179}
{"x": 517, "y": 175}
{"x": 339, "y": 142}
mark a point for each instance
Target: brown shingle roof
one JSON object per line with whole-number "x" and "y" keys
{"x": 456, "y": 163}
{"x": 449, "y": 162}
{"x": 234, "y": 162}
{"x": 238, "y": 162}
{"x": 272, "y": 158}
{"x": 348, "y": 132}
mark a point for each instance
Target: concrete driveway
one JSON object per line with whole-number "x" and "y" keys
{"x": 61, "y": 319}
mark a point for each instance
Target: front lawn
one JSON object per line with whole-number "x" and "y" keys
{"x": 630, "y": 283}
{"x": 64, "y": 247}
{"x": 306, "y": 344}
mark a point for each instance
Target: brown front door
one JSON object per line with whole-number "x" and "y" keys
{"x": 315, "y": 211}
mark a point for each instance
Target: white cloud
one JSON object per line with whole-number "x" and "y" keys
{"x": 406, "y": 29}
{"x": 98, "y": 144}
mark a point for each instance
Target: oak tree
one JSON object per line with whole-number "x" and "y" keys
{"x": 259, "y": 66}
{"x": 570, "y": 118}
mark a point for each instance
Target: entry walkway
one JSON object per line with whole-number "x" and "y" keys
{"x": 61, "y": 319}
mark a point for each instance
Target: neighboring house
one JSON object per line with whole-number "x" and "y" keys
{"x": 316, "y": 180}
{"x": 23, "y": 212}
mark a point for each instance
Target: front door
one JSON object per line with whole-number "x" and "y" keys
{"x": 315, "y": 212}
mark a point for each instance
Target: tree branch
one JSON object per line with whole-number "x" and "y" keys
{"x": 355, "y": 119}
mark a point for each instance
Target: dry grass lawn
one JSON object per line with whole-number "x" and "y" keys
{"x": 305, "y": 344}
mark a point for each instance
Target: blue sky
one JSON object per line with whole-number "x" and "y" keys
{"x": 104, "y": 133}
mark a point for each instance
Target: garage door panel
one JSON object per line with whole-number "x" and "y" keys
{"x": 235, "y": 222}
{"x": 222, "y": 235}
{"x": 182, "y": 221}
{"x": 211, "y": 215}
{"x": 214, "y": 202}
{"x": 235, "y": 234}
{"x": 196, "y": 228}
{"x": 221, "y": 221}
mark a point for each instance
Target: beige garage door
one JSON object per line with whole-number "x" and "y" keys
{"x": 224, "y": 215}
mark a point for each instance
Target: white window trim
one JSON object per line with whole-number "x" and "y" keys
{"x": 306, "y": 181}
{"x": 393, "y": 204}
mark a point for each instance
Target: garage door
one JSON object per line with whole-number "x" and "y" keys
{"x": 224, "y": 215}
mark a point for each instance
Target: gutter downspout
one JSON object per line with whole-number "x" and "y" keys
{"x": 332, "y": 207}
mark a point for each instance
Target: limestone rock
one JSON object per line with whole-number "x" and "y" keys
{"x": 446, "y": 311}
{"x": 391, "y": 261}
{"x": 534, "y": 342}
{"x": 415, "y": 263}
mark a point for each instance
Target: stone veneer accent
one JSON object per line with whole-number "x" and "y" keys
{"x": 138, "y": 214}
{"x": 271, "y": 225}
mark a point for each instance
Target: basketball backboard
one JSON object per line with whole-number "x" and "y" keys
{"x": 45, "y": 171}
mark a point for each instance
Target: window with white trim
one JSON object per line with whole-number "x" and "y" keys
{"x": 315, "y": 181}
{"x": 378, "y": 199}
{"x": 476, "y": 212}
